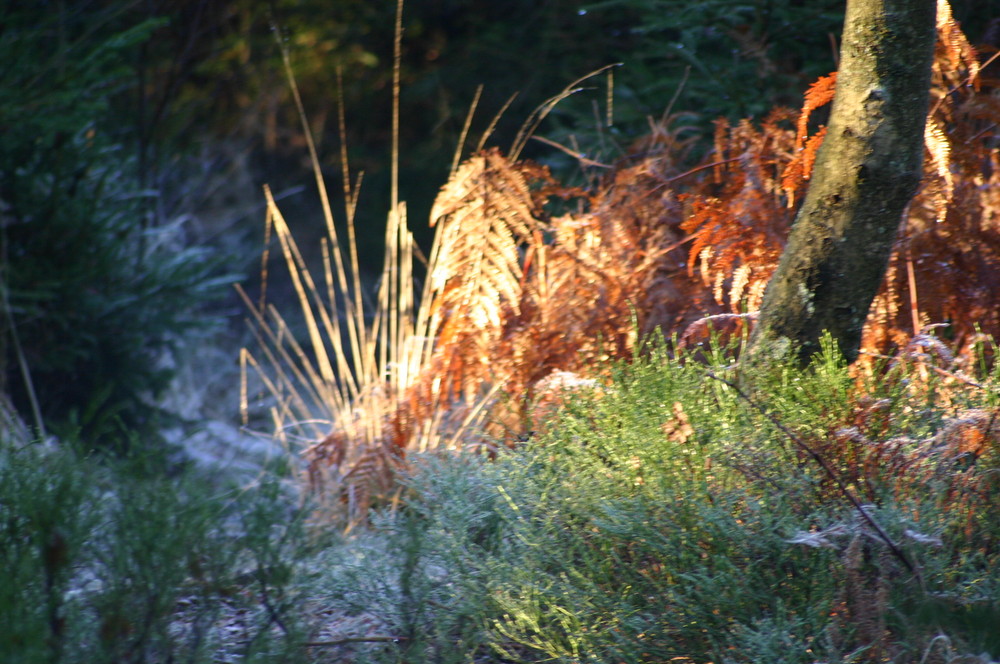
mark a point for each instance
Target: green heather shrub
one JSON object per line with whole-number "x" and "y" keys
{"x": 109, "y": 562}
{"x": 96, "y": 294}
{"x": 663, "y": 518}
{"x": 659, "y": 518}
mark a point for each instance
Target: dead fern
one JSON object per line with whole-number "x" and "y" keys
{"x": 947, "y": 256}
{"x": 798, "y": 170}
{"x": 739, "y": 224}
{"x": 516, "y": 296}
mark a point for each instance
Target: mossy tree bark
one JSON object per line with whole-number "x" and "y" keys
{"x": 866, "y": 172}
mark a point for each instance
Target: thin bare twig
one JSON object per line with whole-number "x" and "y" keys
{"x": 579, "y": 156}
{"x": 896, "y": 551}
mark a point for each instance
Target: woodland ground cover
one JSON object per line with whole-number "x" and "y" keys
{"x": 660, "y": 517}
{"x": 549, "y": 481}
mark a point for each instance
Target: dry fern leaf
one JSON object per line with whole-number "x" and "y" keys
{"x": 820, "y": 93}
{"x": 799, "y": 169}
{"x": 485, "y": 216}
{"x": 953, "y": 45}
{"x": 485, "y": 212}
{"x": 738, "y": 232}
{"x": 939, "y": 163}
{"x": 972, "y": 432}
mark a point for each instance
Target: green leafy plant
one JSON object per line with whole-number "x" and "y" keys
{"x": 95, "y": 296}
{"x": 664, "y": 517}
{"x": 114, "y": 561}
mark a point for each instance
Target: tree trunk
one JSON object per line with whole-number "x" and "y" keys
{"x": 866, "y": 172}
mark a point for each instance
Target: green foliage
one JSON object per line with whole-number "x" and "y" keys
{"x": 661, "y": 518}
{"x": 115, "y": 562}
{"x": 707, "y": 60}
{"x": 422, "y": 574}
{"x": 744, "y": 57}
{"x": 96, "y": 293}
{"x": 664, "y": 518}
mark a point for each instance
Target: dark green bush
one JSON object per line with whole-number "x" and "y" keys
{"x": 96, "y": 293}
{"x": 110, "y": 562}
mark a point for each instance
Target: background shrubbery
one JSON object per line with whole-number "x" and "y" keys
{"x": 99, "y": 287}
{"x": 114, "y": 561}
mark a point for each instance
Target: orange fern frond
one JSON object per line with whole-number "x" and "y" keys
{"x": 954, "y": 47}
{"x": 799, "y": 169}
{"x": 738, "y": 232}
{"x": 819, "y": 94}
{"x": 939, "y": 163}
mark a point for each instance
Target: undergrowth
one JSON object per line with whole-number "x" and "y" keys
{"x": 664, "y": 517}
{"x": 112, "y": 560}
{"x": 531, "y": 284}
{"x": 659, "y": 515}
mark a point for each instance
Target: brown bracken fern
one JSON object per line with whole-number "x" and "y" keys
{"x": 518, "y": 299}
{"x": 946, "y": 259}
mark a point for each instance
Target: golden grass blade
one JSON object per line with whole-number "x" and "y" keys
{"x": 344, "y": 372}
{"x": 324, "y": 393}
{"x": 345, "y": 169}
{"x": 304, "y": 376}
{"x": 493, "y": 123}
{"x": 271, "y": 340}
{"x": 406, "y": 329}
{"x": 465, "y": 130}
{"x": 393, "y": 277}
{"x": 383, "y": 316}
{"x": 397, "y": 56}
{"x": 351, "y": 205}
{"x": 475, "y": 416}
{"x": 531, "y": 124}
{"x": 244, "y": 398}
{"x": 349, "y": 302}
{"x": 346, "y": 380}
{"x": 265, "y": 257}
{"x": 427, "y": 438}
{"x": 274, "y": 346}
{"x": 276, "y": 389}
{"x": 296, "y": 265}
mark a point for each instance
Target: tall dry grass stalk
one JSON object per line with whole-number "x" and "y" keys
{"x": 344, "y": 386}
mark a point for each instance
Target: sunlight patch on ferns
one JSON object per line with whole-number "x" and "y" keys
{"x": 484, "y": 213}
